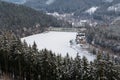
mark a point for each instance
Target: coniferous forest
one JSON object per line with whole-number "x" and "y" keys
{"x": 24, "y": 21}
{"x": 20, "y": 61}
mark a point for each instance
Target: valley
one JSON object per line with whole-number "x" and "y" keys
{"x": 59, "y": 40}
{"x": 69, "y": 21}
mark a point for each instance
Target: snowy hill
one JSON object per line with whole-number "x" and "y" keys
{"x": 82, "y": 9}
{"x": 91, "y": 10}
{"x": 58, "y": 42}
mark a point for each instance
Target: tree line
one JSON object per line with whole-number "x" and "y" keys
{"x": 106, "y": 37}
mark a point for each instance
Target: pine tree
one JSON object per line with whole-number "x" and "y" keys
{"x": 77, "y": 68}
{"x": 85, "y": 69}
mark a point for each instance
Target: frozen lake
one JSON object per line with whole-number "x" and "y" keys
{"x": 58, "y": 42}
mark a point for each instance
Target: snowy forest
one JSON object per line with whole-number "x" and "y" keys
{"x": 95, "y": 24}
{"x": 19, "y": 61}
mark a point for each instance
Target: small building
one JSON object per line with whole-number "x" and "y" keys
{"x": 81, "y": 38}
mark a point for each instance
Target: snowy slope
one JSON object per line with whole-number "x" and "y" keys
{"x": 48, "y": 2}
{"x": 91, "y": 10}
{"x": 108, "y": 1}
{"x": 58, "y": 42}
{"x": 115, "y": 8}
{"x": 16, "y": 1}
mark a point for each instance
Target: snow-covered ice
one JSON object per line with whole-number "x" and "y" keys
{"x": 58, "y": 42}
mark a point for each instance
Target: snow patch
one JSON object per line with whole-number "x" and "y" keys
{"x": 58, "y": 42}
{"x": 91, "y": 10}
{"x": 56, "y": 14}
{"x": 108, "y": 1}
{"x": 115, "y": 7}
{"x": 16, "y": 1}
{"x": 48, "y": 2}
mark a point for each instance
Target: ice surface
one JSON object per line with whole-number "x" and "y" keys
{"x": 58, "y": 42}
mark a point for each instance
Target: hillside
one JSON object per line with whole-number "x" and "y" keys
{"x": 61, "y": 6}
{"x": 106, "y": 37}
{"x": 79, "y": 8}
{"x": 25, "y": 21}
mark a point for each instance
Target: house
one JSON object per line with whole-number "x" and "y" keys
{"x": 80, "y": 38}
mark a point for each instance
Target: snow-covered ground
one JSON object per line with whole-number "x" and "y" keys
{"x": 108, "y": 1}
{"x": 58, "y": 42}
{"x": 48, "y": 2}
{"x": 91, "y": 10}
{"x": 115, "y": 8}
{"x": 16, "y": 1}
